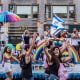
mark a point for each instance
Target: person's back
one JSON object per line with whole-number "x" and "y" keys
{"x": 27, "y": 71}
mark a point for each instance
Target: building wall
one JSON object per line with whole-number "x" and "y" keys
{"x": 77, "y": 6}
{"x": 59, "y": 2}
{"x": 41, "y": 20}
{"x": 26, "y": 2}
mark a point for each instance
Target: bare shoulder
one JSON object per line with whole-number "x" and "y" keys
{"x": 27, "y": 54}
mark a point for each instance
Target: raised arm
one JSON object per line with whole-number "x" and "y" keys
{"x": 64, "y": 46}
{"x": 69, "y": 33}
{"x": 32, "y": 44}
{"x": 50, "y": 33}
{"x": 64, "y": 60}
{"x": 46, "y": 51}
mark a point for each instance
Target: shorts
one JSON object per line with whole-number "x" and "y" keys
{"x": 7, "y": 67}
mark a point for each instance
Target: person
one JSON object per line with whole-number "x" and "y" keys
{"x": 25, "y": 37}
{"x": 37, "y": 38}
{"x": 41, "y": 39}
{"x": 74, "y": 38}
{"x": 62, "y": 33}
{"x": 54, "y": 58}
{"x": 47, "y": 33}
{"x": 79, "y": 42}
{"x": 50, "y": 46}
{"x": 30, "y": 39}
{"x": 6, "y": 62}
{"x": 79, "y": 33}
{"x": 26, "y": 56}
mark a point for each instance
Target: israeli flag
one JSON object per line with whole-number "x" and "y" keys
{"x": 59, "y": 28}
{"x": 56, "y": 23}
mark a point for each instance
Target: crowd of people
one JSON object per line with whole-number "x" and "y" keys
{"x": 52, "y": 57}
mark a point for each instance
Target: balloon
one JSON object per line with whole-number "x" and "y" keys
{"x": 22, "y": 46}
{"x": 10, "y": 46}
{"x": 17, "y": 47}
{"x": 65, "y": 54}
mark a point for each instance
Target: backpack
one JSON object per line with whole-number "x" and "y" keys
{"x": 23, "y": 65}
{"x": 62, "y": 72}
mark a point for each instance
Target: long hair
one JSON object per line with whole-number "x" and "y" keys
{"x": 5, "y": 51}
{"x": 54, "y": 58}
{"x": 50, "y": 43}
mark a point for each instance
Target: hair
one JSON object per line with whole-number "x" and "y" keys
{"x": 54, "y": 58}
{"x": 42, "y": 36}
{"x": 60, "y": 55}
{"x": 27, "y": 46}
{"x": 1, "y": 24}
{"x": 50, "y": 43}
{"x": 5, "y": 50}
{"x": 38, "y": 34}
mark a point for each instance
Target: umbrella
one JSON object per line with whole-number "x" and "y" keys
{"x": 8, "y": 17}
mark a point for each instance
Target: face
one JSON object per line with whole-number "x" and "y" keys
{"x": 62, "y": 32}
{"x": 56, "y": 52}
{"x": 8, "y": 49}
{"x": 74, "y": 30}
{"x": 26, "y": 31}
{"x": 47, "y": 28}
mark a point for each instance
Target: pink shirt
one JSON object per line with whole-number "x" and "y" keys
{"x": 45, "y": 63}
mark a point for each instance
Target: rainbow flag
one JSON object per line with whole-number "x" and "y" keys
{"x": 66, "y": 36}
{"x": 72, "y": 65}
{"x": 62, "y": 39}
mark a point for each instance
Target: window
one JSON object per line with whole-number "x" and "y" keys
{"x": 71, "y": 12}
{"x": 27, "y": 11}
{"x": 0, "y": 8}
{"x": 35, "y": 11}
{"x": 24, "y": 11}
{"x": 60, "y": 11}
{"x": 12, "y": 8}
{"x": 48, "y": 11}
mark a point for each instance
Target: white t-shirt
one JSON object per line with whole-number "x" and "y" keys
{"x": 74, "y": 41}
{"x": 38, "y": 38}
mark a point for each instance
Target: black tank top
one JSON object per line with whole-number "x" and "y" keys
{"x": 27, "y": 72}
{"x": 53, "y": 69}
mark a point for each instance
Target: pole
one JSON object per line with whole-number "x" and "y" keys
{"x": 0, "y": 37}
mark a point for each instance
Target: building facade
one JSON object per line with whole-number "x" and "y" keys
{"x": 36, "y": 14}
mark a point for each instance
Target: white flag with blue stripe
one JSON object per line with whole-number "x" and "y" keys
{"x": 59, "y": 28}
{"x": 56, "y": 23}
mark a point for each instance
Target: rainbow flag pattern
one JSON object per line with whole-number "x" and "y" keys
{"x": 39, "y": 50}
{"x": 72, "y": 65}
{"x": 62, "y": 39}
